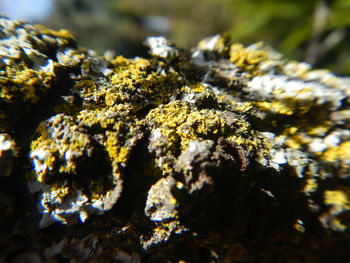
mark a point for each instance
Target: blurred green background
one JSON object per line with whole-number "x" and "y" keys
{"x": 315, "y": 31}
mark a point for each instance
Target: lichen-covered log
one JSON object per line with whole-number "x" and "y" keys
{"x": 224, "y": 153}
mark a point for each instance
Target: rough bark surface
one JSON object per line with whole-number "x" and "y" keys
{"x": 222, "y": 153}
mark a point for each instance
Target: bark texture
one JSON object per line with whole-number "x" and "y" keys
{"x": 222, "y": 153}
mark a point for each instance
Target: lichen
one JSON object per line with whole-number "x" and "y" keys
{"x": 177, "y": 124}
{"x": 247, "y": 59}
{"x": 8, "y": 153}
{"x": 190, "y": 155}
{"x": 28, "y": 69}
{"x": 338, "y": 202}
{"x": 340, "y": 153}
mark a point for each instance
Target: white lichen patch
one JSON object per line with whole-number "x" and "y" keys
{"x": 281, "y": 88}
{"x": 8, "y": 151}
{"x": 214, "y": 43}
{"x": 161, "y": 47}
{"x": 68, "y": 57}
{"x": 161, "y": 204}
{"x": 278, "y": 158}
{"x": 64, "y": 149}
{"x": 67, "y": 211}
{"x": 39, "y": 158}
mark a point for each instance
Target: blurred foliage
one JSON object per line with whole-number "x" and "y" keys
{"x": 316, "y": 31}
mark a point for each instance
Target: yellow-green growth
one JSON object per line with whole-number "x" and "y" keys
{"x": 247, "y": 59}
{"x": 178, "y": 124}
{"x": 24, "y": 85}
{"x": 65, "y": 37}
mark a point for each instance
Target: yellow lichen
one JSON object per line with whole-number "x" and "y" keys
{"x": 311, "y": 185}
{"x": 137, "y": 78}
{"x": 294, "y": 137}
{"x": 297, "y": 141}
{"x": 318, "y": 129}
{"x": 285, "y": 106}
{"x": 247, "y": 59}
{"x": 196, "y": 88}
{"x": 60, "y": 191}
{"x": 179, "y": 124}
{"x": 339, "y": 200}
{"x": 54, "y": 144}
{"x": 244, "y": 107}
{"x": 121, "y": 61}
{"x": 339, "y": 197}
{"x": 25, "y": 85}
{"x": 340, "y": 153}
{"x": 276, "y": 107}
{"x": 62, "y": 34}
{"x": 90, "y": 118}
{"x": 188, "y": 125}
{"x": 116, "y": 152}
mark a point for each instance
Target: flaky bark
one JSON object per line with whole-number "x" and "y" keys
{"x": 219, "y": 154}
